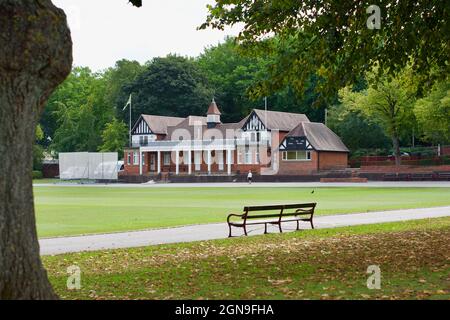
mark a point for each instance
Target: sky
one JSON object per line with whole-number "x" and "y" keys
{"x": 104, "y": 31}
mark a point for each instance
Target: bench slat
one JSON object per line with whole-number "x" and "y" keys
{"x": 277, "y": 215}
{"x": 263, "y": 208}
{"x": 279, "y": 207}
{"x": 300, "y": 206}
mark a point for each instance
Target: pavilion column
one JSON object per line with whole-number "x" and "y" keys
{"x": 140, "y": 161}
{"x": 209, "y": 161}
{"x": 189, "y": 161}
{"x": 159, "y": 162}
{"x": 229, "y": 162}
{"x": 177, "y": 162}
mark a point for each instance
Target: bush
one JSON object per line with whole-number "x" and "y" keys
{"x": 37, "y": 175}
{"x": 369, "y": 152}
{"x": 38, "y": 156}
{"x": 446, "y": 160}
{"x": 427, "y": 162}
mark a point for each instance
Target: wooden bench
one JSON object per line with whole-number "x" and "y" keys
{"x": 284, "y": 213}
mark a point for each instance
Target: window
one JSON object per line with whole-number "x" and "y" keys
{"x": 296, "y": 156}
{"x": 167, "y": 158}
{"x": 143, "y": 158}
{"x": 240, "y": 156}
{"x": 129, "y": 158}
{"x": 248, "y": 155}
{"x": 143, "y": 140}
{"x": 135, "y": 158}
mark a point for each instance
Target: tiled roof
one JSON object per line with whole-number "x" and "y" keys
{"x": 319, "y": 136}
{"x": 213, "y": 109}
{"x": 283, "y": 121}
{"x": 159, "y": 124}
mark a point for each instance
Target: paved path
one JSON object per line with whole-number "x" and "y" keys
{"x": 220, "y": 231}
{"x": 373, "y": 184}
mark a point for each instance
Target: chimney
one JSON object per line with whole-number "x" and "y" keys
{"x": 213, "y": 115}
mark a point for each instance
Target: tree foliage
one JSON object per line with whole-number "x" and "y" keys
{"x": 433, "y": 113}
{"x": 357, "y": 130}
{"x": 170, "y": 86}
{"x": 389, "y": 103}
{"x": 332, "y": 40}
{"x": 80, "y": 110}
{"x": 123, "y": 73}
{"x": 115, "y": 137}
{"x": 38, "y": 150}
{"x": 230, "y": 74}
{"x": 233, "y": 73}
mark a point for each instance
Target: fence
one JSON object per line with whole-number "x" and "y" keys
{"x": 427, "y": 156}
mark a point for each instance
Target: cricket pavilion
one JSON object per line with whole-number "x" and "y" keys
{"x": 264, "y": 142}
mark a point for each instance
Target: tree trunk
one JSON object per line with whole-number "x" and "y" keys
{"x": 35, "y": 56}
{"x": 396, "y": 145}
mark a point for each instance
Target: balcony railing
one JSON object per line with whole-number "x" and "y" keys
{"x": 203, "y": 143}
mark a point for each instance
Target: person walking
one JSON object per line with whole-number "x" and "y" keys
{"x": 250, "y": 177}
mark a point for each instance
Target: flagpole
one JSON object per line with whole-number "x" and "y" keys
{"x": 131, "y": 142}
{"x": 265, "y": 113}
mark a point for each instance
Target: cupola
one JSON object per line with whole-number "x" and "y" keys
{"x": 213, "y": 115}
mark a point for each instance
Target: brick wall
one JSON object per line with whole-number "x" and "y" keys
{"x": 319, "y": 161}
{"x": 333, "y": 160}
{"x": 298, "y": 167}
{"x": 132, "y": 169}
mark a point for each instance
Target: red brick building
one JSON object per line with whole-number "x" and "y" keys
{"x": 264, "y": 142}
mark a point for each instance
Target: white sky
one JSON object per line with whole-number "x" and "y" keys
{"x": 104, "y": 31}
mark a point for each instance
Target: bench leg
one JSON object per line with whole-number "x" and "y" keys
{"x": 279, "y": 225}
{"x": 229, "y": 226}
{"x": 245, "y": 230}
{"x": 312, "y": 224}
{"x": 298, "y": 225}
{"x": 265, "y": 228}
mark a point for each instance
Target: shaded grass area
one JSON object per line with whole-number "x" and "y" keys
{"x": 414, "y": 258}
{"x": 46, "y": 181}
{"x": 86, "y": 210}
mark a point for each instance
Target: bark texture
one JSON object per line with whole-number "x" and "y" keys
{"x": 397, "y": 153}
{"x": 35, "y": 56}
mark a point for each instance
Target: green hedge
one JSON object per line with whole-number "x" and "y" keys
{"x": 37, "y": 174}
{"x": 446, "y": 160}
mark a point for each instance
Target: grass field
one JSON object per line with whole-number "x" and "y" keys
{"x": 85, "y": 210}
{"x": 414, "y": 258}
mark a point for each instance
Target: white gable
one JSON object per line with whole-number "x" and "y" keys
{"x": 142, "y": 128}
{"x": 254, "y": 124}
